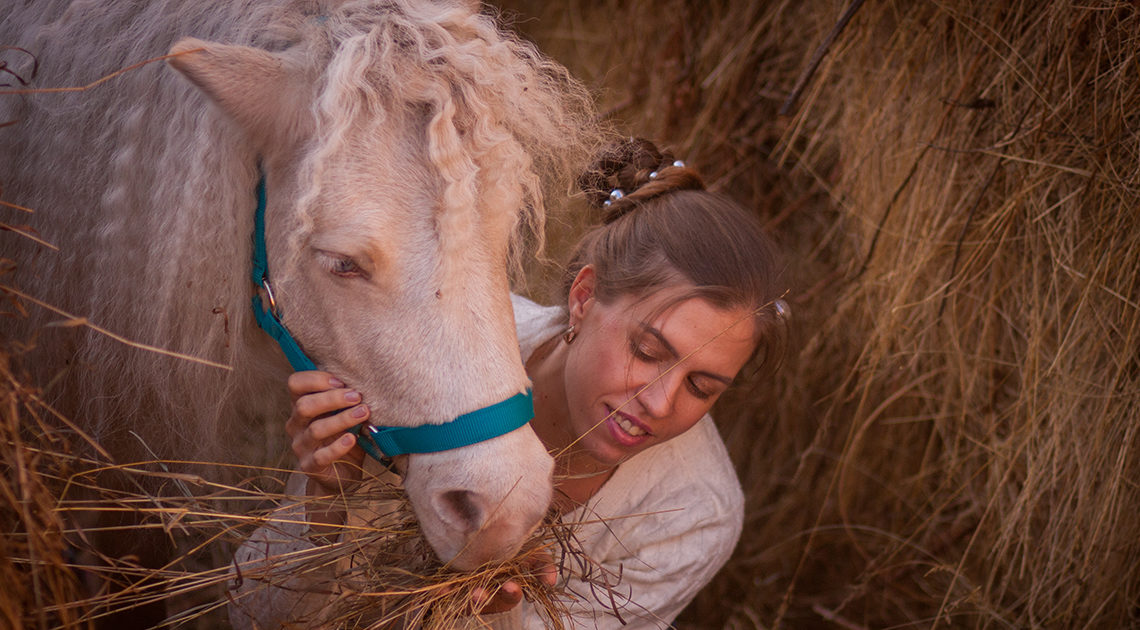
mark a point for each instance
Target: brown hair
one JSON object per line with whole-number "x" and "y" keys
{"x": 666, "y": 229}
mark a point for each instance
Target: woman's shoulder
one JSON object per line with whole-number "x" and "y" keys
{"x": 535, "y": 323}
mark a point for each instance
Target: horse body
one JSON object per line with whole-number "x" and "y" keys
{"x": 403, "y": 147}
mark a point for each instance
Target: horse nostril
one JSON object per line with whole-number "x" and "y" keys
{"x": 460, "y": 509}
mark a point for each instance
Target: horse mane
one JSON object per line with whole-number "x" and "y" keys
{"x": 503, "y": 118}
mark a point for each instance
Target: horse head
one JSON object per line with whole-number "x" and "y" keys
{"x": 399, "y": 156}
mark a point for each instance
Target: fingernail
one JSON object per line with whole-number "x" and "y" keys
{"x": 352, "y": 397}
{"x": 335, "y": 383}
{"x": 347, "y": 439}
{"x": 359, "y": 412}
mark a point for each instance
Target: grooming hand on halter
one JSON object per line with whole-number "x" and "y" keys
{"x": 665, "y": 303}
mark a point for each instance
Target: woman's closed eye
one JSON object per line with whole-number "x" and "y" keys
{"x": 647, "y": 351}
{"x": 695, "y": 388}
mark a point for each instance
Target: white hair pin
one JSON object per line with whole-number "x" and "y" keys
{"x": 615, "y": 195}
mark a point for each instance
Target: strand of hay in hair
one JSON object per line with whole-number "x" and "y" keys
{"x": 955, "y": 443}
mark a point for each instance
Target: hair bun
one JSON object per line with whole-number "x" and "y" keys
{"x": 632, "y": 172}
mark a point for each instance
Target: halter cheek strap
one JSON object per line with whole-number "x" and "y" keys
{"x": 382, "y": 443}
{"x": 267, "y": 317}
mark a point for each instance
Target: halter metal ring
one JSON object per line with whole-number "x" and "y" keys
{"x": 269, "y": 294}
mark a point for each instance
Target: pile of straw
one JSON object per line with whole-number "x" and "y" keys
{"x": 955, "y": 441}
{"x": 56, "y": 483}
{"x": 33, "y": 556}
{"x": 59, "y": 486}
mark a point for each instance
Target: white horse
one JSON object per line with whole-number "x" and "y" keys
{"x": 405, "y": 148}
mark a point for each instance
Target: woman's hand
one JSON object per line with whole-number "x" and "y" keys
{"x": 323, "y": 411}
{"x": 510, "y": 593}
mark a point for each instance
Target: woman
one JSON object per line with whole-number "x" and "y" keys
{"x": 665, "y": 303}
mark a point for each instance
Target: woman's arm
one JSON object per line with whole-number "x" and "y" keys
{"x": 279, "y": 577}
{"x": 277, "y": 580}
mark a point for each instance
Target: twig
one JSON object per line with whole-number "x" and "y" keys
{"x": 12, "y": 205}
{"x": 26, "y": 234}
{"x": 84, "y": 88}
{"x": 820, "y": 53}
{"x": 73, "y": 320}
{"x": 970, "y": 215}
{"x": 962, "y": 235}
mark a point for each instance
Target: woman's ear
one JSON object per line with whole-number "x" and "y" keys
{"x": 581, "y": 296}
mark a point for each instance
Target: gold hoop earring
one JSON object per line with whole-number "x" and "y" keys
{"x": 570, "y": 335}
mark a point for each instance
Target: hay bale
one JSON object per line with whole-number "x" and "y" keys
{"x": 956, "y": 441}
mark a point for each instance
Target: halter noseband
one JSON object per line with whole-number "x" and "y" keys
{"x": 382, "y": 443}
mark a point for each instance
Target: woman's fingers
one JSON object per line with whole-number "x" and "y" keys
{"x": 309, "y": 409}
{"x": 325, "y": 456}
{"x": 541, "y": 564}
{"x": 334, "y": 464}
{"x": 505, "y": 598}
{"x": 308, "y": 382}
{"x": 330, "y": 426}
{"x": 319, "y": 433}
{"x": 320, "y": 403}
{"x": 323, "y": 411}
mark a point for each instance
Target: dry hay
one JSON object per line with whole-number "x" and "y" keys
{"x": 55, "y": 484}
{"x": 955, "y": 442}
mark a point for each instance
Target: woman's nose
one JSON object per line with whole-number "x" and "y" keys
{"x": 658, "y": 394}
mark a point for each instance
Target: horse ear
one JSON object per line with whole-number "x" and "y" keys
{"x": 249, "y": 84}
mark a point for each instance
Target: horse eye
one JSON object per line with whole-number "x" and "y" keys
{"x": 343, "y": 266}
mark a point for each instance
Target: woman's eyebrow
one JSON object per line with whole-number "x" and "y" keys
{"x": 646, "y": 328}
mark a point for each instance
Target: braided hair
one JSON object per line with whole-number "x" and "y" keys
{"x": 640, "y": 171}
{"x": 663, "y": 228}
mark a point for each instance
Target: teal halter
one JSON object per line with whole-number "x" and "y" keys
{"x": 382, "y": 443}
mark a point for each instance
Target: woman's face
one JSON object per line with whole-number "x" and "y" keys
{"x": 639, "y": 373}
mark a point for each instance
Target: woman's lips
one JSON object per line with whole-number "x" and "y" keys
{"x": 626, "y": 429}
